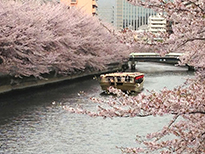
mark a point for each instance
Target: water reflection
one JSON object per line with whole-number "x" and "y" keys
{"x": 35, "y": 122}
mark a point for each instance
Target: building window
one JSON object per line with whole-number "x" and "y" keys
{"x": 73, "y": 1}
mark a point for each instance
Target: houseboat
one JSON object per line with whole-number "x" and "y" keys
{"x": 126, "y": 81}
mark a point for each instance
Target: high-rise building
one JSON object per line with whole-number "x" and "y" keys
{"x": 106, "y": 13}
{"x": 89, "y": 6}
{"x": 130, "y": 16}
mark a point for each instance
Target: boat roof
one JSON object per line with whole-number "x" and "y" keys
{"x": 132, "y": 74}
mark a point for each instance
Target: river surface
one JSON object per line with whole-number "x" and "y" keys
{"x": 34, "y": 122}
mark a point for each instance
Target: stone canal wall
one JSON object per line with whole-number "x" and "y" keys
{"x": 9, "y": 83}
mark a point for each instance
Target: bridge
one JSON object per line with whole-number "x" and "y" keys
{"x": 170, "y": 58}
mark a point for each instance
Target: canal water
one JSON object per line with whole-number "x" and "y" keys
{"x": 34, "y": 121}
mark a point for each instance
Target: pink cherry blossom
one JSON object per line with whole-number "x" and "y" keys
{"x": 187, "y": 102}
{"x": 38, "y": 38}
{"x": 41, "y": 38}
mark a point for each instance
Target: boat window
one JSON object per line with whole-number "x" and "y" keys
{"x": 139, "y": 79}
{"x": 110, "y": 78}
{"x": 127, "y": 78}
{"x": 118, "y": 78}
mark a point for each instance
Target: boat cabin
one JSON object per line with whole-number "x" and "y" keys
{"x": 126, "y": 81}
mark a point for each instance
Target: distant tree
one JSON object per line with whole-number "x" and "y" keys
{"x": 186, "y": 131}
{"x": 37, "y": 38}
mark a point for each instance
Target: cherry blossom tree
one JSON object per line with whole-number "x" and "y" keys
{"x": 188, "y": 28}
{"x": 37, "y": 38}
{"x": 186, "y": 103}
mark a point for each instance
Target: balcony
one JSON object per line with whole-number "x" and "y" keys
{"x": 94, "y": 10}
{"x": 157, "y": 30}
{"x": 94, "y": 3}
{"x": 158, "y": 26}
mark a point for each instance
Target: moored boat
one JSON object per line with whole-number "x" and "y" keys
{"x": 126, "y": 81}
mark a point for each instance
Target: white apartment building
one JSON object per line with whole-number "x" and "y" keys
{"x": 157, "y": 24}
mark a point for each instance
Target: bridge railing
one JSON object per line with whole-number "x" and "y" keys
{"x": 147, "y": 55}
{"x": 171, "y": 58}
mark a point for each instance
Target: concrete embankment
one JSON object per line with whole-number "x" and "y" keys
{"x": 9, "y": 83}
